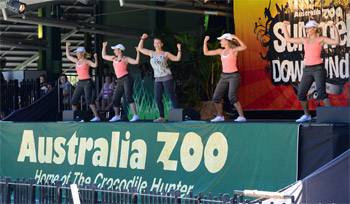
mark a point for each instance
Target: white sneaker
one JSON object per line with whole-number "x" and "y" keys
{"x": 159, "y": 120}
{"x": 240, "y": 119}
{"x": 95, "y": 119}
{"x": 135, "y": 118}
{"x": 304, "y": 118}
{"x": 218, "y": 119}
{"x": 115, "y": 118}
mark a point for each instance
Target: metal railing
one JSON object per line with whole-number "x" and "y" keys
{"x": 15, "y": 95}
{"x": 29, "y": 192}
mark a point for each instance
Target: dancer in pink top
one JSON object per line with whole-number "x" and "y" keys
{"x": 124, "y": 84}
{"x": 230, "y": 76}
{"x": 85, "y": 84}
{"x": 314, "y": 69}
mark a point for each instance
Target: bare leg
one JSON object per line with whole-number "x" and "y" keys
{"x": 305, "y": 106}
{"x": 133, "y": 108}
{"x": 116, "y": 110}
{"x": 239, "y": 108}
{"x": 219, "y": 109}
{"x": 93, "y": 109}
{"x": 98, "y": 105}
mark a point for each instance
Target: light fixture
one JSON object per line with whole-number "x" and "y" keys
{"x": 16, "y": 6}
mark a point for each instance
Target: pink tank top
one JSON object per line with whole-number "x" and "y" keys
{"x": 229, "y": 62}
{"x": 120, "y": 67}
{"x": 312, "y": 53}
{"x": 82, "y": 70}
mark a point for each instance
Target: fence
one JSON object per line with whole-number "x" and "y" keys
{"x": 15, "y": 95}
{"x": 28, "y": 192}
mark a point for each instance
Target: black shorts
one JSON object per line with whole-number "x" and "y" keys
{"x": 230, "y": 82}
{"x": 86, "y": 88}
{"x": 317, "y": 74}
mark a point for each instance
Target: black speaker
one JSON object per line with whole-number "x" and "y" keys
{"x": 68, "y": 115}
{"x": 180, "y": 114}
{"x": 333, "y": 114}
{"x": 82, "y": 115}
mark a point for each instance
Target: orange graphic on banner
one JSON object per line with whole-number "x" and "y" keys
{"x": 271, "y": 68}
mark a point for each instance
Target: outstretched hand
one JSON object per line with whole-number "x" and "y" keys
{"x": 104, "y": 44}
{"x": 206, "y": 39}
{"x": 144, "y": 36}
{"x": 178, "y": 46}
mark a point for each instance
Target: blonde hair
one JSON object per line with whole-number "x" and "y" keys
{"x": 86, "y": 55}
{"x": 233, "y": 43}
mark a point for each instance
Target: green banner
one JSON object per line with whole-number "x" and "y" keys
{"x": 188, "y": 156}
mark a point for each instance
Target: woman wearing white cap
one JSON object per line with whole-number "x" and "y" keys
{"x": 85, "y": 84}
{"x": 314, "y": 69}
{"x": 162, "y": 73}
{"x": 230, "y": 76}
{"x": 120, "y": 64}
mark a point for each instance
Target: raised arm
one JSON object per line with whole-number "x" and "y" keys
{"x": 241, "y": 46}
{"x": 287, "y": 36}
{"x": 173, "y": 57}
{"x": 330, "y": 41}
{"x": 134, "y": 61}
{"x": 91, "y": 63}
{"x": 140, "y": 46}
{"x": 69, "y": 57}
{"x": 104, "y": 53}
{"x": 209, "y": 52}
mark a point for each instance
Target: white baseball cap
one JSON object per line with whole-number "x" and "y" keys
{"x": 311, "y": 24}
{"x": 80, "y": 49}
{"x": 119, "y": 46}
{"x": 226, "y": 36}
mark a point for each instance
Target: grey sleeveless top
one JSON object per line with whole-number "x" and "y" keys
{"x": 160, "y": 65}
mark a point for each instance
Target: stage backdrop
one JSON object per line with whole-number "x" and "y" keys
{"x": 271, "y": 69}
{"x": 192, "y": 156}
